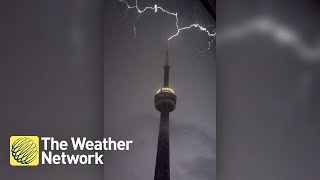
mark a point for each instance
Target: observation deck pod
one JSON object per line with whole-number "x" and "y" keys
{"x": 165, "y": 100}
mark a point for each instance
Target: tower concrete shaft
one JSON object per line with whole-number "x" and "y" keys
{"x": 165, "y": 102}
{"x": 162, "y": 171}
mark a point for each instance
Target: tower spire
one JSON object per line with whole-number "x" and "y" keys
{"x": 166, "y": 70}
{"x": 167, "y": 58}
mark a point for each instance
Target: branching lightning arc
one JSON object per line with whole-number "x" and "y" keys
{"x": 157, "y": 8}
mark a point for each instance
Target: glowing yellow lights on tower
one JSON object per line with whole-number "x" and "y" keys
{"x": 165, "y": 89}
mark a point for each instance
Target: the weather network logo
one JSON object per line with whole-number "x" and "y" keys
{"x": 24, "y": 150}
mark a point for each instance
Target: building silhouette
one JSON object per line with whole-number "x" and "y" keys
{"x": 165, "y": 102}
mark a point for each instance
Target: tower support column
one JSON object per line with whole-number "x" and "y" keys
{"x": 162, "y": 171}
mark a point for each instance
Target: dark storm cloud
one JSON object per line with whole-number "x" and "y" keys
{"x": 195, "y": 151}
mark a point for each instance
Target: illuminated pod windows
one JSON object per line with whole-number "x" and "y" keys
{"x": 165, "y": 89}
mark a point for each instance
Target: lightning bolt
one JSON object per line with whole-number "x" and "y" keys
{"x": 157, "y": 8}
{"x": 280, "y": 33}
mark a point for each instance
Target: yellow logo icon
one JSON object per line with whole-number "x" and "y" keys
{"x": 24, "y": 150}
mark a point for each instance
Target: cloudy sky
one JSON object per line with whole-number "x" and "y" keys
{"x": 268, "y": 88}
{"x": 133, "y": 74}
{"x": 51, "y": 78}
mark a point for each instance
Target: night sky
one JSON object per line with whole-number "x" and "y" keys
{"x": 51, "y": 78}
{"x": 268, "y": 89}
{"x": 53, "y": 72}
{"x": 62, "y": 60}
{"x": 134, "y": 73}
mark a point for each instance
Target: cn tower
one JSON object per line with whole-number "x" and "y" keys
{"x": 165, "y": 102}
